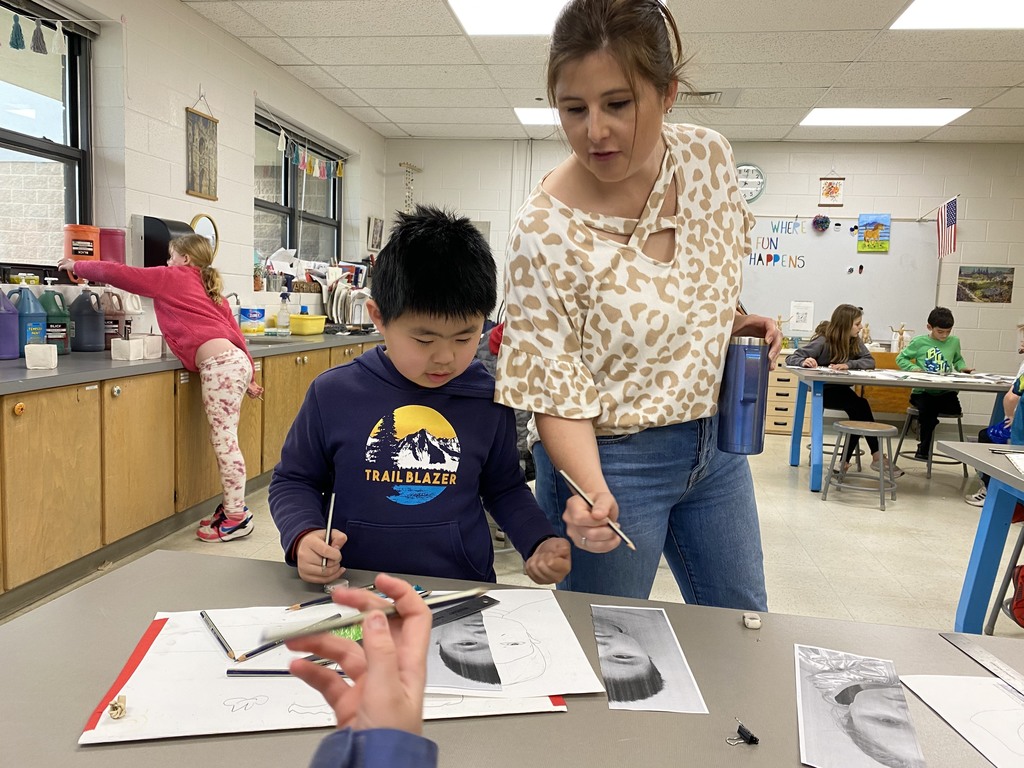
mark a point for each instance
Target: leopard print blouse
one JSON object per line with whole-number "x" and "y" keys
{"x": 595, "y": 329}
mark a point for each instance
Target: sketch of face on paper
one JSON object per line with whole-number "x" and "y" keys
{"x": 641, "y": 662}
{"x": 852, "y": 712}
{"x": 459, "y": 656}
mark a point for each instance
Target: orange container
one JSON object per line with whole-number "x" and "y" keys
{"x": 81, "y": 242}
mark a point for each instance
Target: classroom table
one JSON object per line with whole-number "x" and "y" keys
{"x": 815, "y": 379}
{"x": 64, "y": 655}
{"x": 1005, "y": 489}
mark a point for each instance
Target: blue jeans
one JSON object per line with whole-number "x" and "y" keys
{"x": 678, "y": 495}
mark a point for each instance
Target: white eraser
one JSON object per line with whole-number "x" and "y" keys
{"x": 126, "y": 349}
{"x": 154, "y": 347}
{"x": 751, "y": 621}
{"x": 40, "y": 357}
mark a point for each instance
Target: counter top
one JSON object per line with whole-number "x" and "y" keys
{"x": 86, "y": 367}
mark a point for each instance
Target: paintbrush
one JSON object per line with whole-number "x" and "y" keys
{"x": 611, "y": 523}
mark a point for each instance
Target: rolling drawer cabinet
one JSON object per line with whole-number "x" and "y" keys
{"x": 196, "y": 477}
{"x": 286, "y": 378}
{"x": 137, "y": 413}
{"x": 52, "y": 498}
{"x": 346, "y": 354}
{"x": 782, "y": 389}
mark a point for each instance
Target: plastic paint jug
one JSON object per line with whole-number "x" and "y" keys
{"x": 114, "y": 318}
{"x": 112, "y": 245}
{"x": 87, "y": 323}
{"x": 743, "y": 398}
{"x": 8, "y": 329}
{"x": 58, "y": 320}
{"x": 31, "y": 318}
{"x": 81, "y": 242}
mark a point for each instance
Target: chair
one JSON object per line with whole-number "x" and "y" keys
{"x": 914, "y": 415}
{"x": 827, "y": 448}
{"x": 875, "y": 429}
{"x": 1001, "y": 602}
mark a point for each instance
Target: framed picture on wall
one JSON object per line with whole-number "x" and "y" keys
{"x": 200, "y": 154}
{"x": 831, "y": 194}
{"x": 374, "y": 233}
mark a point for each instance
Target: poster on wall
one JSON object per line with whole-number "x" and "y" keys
{"x": 200, "y": 154}
{"x": 873, "y": 230}
{"x": 831, "y": 194}
{"x": 374, "y": 233}
{"x": 986, "y": 285}
{"x": 801, "y": 317}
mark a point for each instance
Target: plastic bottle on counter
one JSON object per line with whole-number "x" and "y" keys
{"x": 31, "y": 318}
{"x": 87, "y": 323}
{"x": 8, "y": 329}
{"x": 113, "y": 317}
{"x": 58, "y": 318}
{"x": 284, "y": 317}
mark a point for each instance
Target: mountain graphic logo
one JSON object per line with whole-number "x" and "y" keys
{"x": 416, "y": 452}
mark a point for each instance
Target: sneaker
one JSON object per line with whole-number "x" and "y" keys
{"x": 226, "y": 530}
{"x": 921, "y": 454}
{"x": 896, "y": 471}
{"x": 218, "y": 516}
{"x": 977, "y": 499}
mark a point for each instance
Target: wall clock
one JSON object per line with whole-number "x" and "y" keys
{"x": 752, "y": 181}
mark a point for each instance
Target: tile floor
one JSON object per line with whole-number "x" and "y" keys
{"x": 841, "y": 558}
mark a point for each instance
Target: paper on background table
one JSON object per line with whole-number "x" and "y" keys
{"x": 178, "y": 686}
{"x": 1017, "y": 461}
{"x": 533, "y": 647}
{"x": 984, "y": 710}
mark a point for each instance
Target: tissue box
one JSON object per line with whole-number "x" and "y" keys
{"x": 40, "y": 357}
{"x": 127, "y": 349}
{"x": 153, "y": 347}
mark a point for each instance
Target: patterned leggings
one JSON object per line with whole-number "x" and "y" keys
{"x": 224, "y": 379}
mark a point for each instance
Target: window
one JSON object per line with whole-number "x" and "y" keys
{"x": 294, "y": 209}
{"x": 45, "y": 172}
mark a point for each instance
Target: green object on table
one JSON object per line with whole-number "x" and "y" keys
{"x": 353, "y": 632}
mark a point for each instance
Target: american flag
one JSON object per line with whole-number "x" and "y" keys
{"x": 945, "y": 224}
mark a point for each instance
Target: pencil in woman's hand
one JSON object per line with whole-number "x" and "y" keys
{"x": 611, "y": 523}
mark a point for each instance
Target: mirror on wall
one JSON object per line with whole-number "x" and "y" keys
{"x": 203, "y": 224}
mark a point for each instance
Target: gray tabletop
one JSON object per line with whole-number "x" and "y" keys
{"x": 981, "y": 457}
{"x": 63, "y": 657}
{"x": 915, "y": 379}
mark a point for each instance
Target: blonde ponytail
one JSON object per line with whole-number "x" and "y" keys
{"x": 200, "y": 254}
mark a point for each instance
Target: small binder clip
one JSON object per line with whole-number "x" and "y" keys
{"x": 745, "y": 736}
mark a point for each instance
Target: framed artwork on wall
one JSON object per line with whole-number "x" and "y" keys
{"x": 831, "y": 195}
{"x": 374, "y": 233}
{"x": 200, "y": 154}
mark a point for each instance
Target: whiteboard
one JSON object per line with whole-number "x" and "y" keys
{"x": 790, "y": 261}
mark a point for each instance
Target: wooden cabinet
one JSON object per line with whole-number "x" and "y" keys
{"x": 781, "y": 410}
{"x": 137, "y": 416}
{"x": 196, "y": 477}
{"x": 286, "y": 378}
{"x": 347, "y": 353}
{"x": 52, "y": 490}
{"x": 887, "y": 400}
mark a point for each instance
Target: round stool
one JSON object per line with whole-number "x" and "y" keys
{"x": 914, "y": 415}
{"x": 874, "y": 429}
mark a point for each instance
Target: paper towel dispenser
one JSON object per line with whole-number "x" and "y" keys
{"x": 151, "y": 236}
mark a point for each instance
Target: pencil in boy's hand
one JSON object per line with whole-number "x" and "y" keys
{"x": 278, "y": 636}
{"x": 217, "y": 635}
{"x": 611, "y": 523}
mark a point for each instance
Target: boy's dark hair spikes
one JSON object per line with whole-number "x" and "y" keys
{"x": 435, "y": 263}
{"x": 940, "y": 317}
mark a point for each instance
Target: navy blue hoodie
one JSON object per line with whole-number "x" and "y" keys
{"x": 411, "y": 469}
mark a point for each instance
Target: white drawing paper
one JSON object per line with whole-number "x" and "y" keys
{"x": 851, "y": 712}
{"x": 531, "y": 646}
{"x": 984, "y": 710}
{"x": 643, "y": 666}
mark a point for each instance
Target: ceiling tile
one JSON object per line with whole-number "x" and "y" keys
{"x": 389, "y": 131}
{"x": 858, "y": 133}
{"x": 942, "y": 45}
{"x": 463, "y": 131}
{"x": 907, "y": 97}
{"x": 782, "y": 15}
{"x": 519, "y": 76}
{"x": 514, "y": 49}
{"x": 757, "y": 47}
{"x": 367, "y": 115}
{"x": 343, "y": 97}
{"x": 450, "y": 115}
{"x": 401, "y": 76}
{"x": 779, "y": 97}
{"x": 365, "y": 51}
{"x": 926, "y": 73}
{"x": 752, "y": 132}
{"x": 1009, "y": 117}
{"x": 708, "y": 115}
{"x": 1012, "y": 98}
{"x": 354, "y": 18}
{"x": 232, "y": 19}
{"x": 433, "y": 97}
{"x": 276, "y": 49}
{"x": 767, "y": 75}
{"x": 978, "y": 134}
{"x": 313, "y": 76}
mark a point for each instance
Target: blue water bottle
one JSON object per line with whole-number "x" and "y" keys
{"x": 743, "y": 398}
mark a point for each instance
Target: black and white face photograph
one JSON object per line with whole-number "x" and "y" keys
{"x": 852, "y": 712}
{"x": 459, "y": 656}
{"x": 642, "y": 663}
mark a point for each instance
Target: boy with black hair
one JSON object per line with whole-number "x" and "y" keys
{"x": 407, "y": 438}
{"x": 938, "y": 351}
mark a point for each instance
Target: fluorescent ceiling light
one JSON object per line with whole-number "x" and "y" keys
{"x": 521, "y": 17}
{"x": 537, "y": 116}
{"x": 856, "y": 116}
{"x": 958, "y": 14}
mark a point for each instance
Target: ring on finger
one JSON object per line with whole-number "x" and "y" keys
{"x": 583, "y": 542}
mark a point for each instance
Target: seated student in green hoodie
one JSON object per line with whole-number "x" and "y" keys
{"x": 936, "y": 352}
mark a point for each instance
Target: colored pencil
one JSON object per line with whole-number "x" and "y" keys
{"x": 327, "y": 535}
{"x": 276, "y": 637}
{"x": 216, "y": 633}
{"x": 308, "y": 603}
{"x": 259, "y": 649}
{"x": 611, "y": 523}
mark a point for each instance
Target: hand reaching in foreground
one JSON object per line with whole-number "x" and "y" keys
{"x": 550, "y": 561}
{"x": 389, "y": 669}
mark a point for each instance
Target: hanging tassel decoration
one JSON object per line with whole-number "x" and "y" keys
{"x": 38, "y": 42}
{"x": 59, "y": 46}
{"x": 17, "y": 38}
{"x": 282, "y": 142}
{"x": 341, "y": 170}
